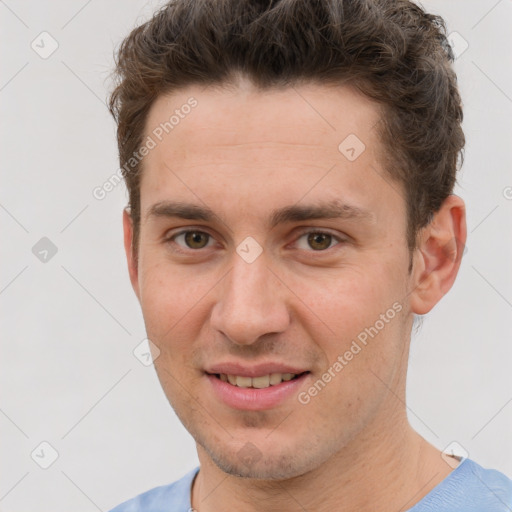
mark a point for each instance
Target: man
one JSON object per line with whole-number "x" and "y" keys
{"x": 290, "y": 167}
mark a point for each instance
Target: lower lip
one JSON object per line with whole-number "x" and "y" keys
{"x": 252, "y": 399}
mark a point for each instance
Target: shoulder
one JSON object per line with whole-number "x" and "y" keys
{"x": 174, "y": 496}
{"x": 469, "y": 488}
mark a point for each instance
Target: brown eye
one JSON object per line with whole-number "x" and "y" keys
{"x": 196, "y": 239}
{"x": 319, "y": 241}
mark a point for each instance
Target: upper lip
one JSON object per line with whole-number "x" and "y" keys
{"x": 233, "y": 368}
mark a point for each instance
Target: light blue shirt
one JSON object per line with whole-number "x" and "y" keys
{"x": 468, "y": 488}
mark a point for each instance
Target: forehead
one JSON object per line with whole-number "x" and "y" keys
{"x": 310, "y": 113}
{"x": 276, "y": 144}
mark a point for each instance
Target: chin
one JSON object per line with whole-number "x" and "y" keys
{"x": 248, "y": 462}
{"x": 268, "y": 470}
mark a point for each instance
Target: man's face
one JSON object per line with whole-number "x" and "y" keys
{"x": 291, "y": 298}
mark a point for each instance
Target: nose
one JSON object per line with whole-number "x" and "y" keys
{"x": 251, "y": 302}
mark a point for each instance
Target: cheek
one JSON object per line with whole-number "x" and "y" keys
{"x": 171, "y": 298}
{"x": 349, "y": 300}
{"x": 356, "y": 316}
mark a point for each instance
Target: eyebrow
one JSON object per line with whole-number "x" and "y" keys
{"x": 334, "y": 209}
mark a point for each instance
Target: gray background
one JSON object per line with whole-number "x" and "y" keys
{"x": 70, "y": 324}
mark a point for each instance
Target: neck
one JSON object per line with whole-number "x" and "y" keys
{"x": 390, "y": 465}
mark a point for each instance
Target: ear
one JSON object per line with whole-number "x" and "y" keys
{"x": 128, "y": 248}
{"x": 438, "y": 255}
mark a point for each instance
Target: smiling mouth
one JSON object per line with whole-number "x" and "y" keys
{"x": 261, "y": 382}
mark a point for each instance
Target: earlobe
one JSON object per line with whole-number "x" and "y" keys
{"x": 128, "y": 247}
{"x": 438, "y": 255}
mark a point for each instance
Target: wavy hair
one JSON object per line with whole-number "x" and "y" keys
{"x": 391, "y": 50}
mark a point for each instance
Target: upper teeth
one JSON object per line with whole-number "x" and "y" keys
{"x": 257, "y": 382}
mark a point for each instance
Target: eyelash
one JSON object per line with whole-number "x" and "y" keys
{"x": 171, "y": 239}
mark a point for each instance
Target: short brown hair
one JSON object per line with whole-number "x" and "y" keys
{"x": 391, "y": 50}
